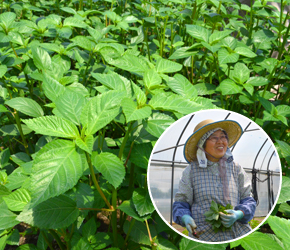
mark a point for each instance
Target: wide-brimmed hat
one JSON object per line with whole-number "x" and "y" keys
{"x": 232, "y": 128}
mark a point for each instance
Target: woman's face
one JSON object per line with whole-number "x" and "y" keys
{"x": 216, "y": 149}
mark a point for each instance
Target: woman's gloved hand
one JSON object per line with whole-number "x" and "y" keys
{"x": 189, "y": 223}
{"x": 229, "y": 219}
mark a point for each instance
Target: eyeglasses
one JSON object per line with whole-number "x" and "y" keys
{"x": 216, "y": 138}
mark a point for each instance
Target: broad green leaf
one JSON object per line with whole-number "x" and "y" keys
{"x": 139, "y": 233}
{"x": 284, "y": 193}
{"x": 280, "y": 227}
{"x": 69, "y": 10}
{"x": 164, "y": 244}
{"x": 41, "y": 58}
{"x": 241, "y": 73}
{"x": 83, "y": 42}
{"x": 167, "y": 66}
{"x": 74, "y": 22}
{"x": 243, "y": 51}
{"x": 224, "y": 56}
{"x": 20, "y": 158}
{"x": 52, "y": 88}
{"x": 157, "y": 123}
{"x": 151, "y": 79}
{"x": 101, "y": 110}
{"x": 131, "y": 63}
{"x": 172, "y": 102}
{"x": 17, "y": 200}
{"x": 142, "y": 202}
{"x": 111, "y": 81}
{"x": 89, "y": 228}
{"x": 180, "y": 85}
{"x": 262, "y": 36}
{"x": 140, "y": 95}
{"x": 7, "y": 218}
{"x": 110, "y": 166}
{"x": 269, "y": 64}
{"x": 78, "y": 242}
{"x": 3, "y": 70}
{"x": 4, "y": 191}
{"x": 12, "y": 130}
{"x": 131, "y": 111}
{"x": 284, "y": 208}
{"x": 182, "y": 53}
{"x": 283, "y": 110}
{"x": 26, "y": 106}
{"x": 229, "y": 42}
{"x": 228, "y": 87}
{"x": 140, "y": 154}
{"x": 258, "y": 81}
{"x": 282, "y": 119}
{"x": 84, "y": 195}
{"x": 219, "y": 35}
{"x": 57, "y": 168}
{"x": 3, "y": 109}
{"x": 69, "y": 105}
{"x": 7, "y": 18}
{"x": 100, "y": 241}
{"x": 205, "y": 88}
{"x": 186, "y": 244}
{"x": 54, "y": 126}
{"x": 198, "y": 32}
{"x": 16, "y": 179}
{"x": 267, "y": 105}
{"x": 249, "y": 88}
{"x": 3, "y": 242}
{"x": 128, "y": 208}
{"x": 213, "y": 48}
{"x": 59, "y": 212}
{"x": 86, "y": 144}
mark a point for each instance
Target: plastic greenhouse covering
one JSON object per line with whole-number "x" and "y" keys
{"x": 254, "y": 151}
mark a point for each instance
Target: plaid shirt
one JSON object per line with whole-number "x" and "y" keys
{"x": 199, "y": 186}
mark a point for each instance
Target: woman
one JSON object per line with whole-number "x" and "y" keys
{"x": 212, "y": 175}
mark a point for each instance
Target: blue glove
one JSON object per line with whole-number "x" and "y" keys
{"x": 231, "y": 218}
{"x": 189, "y": 223}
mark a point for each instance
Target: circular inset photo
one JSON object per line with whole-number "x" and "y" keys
{"x": 214, "y": 176}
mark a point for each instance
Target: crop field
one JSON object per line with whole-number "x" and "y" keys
{"x": 88, "y": 87}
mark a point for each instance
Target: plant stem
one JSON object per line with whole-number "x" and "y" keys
{"x": 114, "y": 217}
{"x": 129, "y": 231}
{"x": 56, "y": 237}
{"x": 200, "y": 69}
{"x": 251, "y": 21}
{"x": 46, "y": 240}
{"x": 96, "y": 182}
{"x": 125, "y": 141}
{"x": 86, "y": 71}
{"x": 131, "y": 181}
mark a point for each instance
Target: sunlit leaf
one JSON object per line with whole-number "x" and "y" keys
{"x": 157, "y": 123}
{"x": 17, "y": 200}
{"x": 131, "y": 111}
{"x": 142, "y": 202}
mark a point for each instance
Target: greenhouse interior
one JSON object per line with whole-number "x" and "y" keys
{"x": 254, "y": 151}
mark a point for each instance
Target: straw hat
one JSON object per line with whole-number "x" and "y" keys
{"x": 233, "y": 129}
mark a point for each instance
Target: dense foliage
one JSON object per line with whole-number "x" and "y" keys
{"x": 86, "y": 89}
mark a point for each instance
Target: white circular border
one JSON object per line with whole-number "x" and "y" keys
{"x": 219, "y": 242}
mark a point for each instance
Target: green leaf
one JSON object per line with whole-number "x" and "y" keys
{"x": 52, "y": 88}
{"x": 167, "y": 66}
{"x": 172, "y": 102}
{"x": 140, "y": 154}
{"x": 110, "y": 166}
{"x": 241, "y": 73}
{"x": 4, "y": 157}
{"x": 186, "y": 244}
{"x": 83, "y": 42}
{"x": 100, "y": 241}
{"x": 265, "y": 242}
{"x": 139, "y": 233}
{"x": 258, "y": 81}
{"x": 140, "y": 95}
{"x": 41, "y": 58}
{"x": 224, "y": 56}
{"x": 54, "y": 126}
{"x": 284, "y": 193}
{"x": 280, "y": 226}
{"x": 17, "y": 200}
{"x": 101, "y": 110}
{"x": 26, "y": 106}
{"x": 142, "y": 202}
{"x": 219, "y": 35}
{"x": 69, "y": 105}
{"x": 131, "y": 111}
{"x": 228, "y": 87}
{"x": 263, "y": 36}
{"x": 205, "y": 88}
{"x": 283, "y": 110}
{"x": 7, "y": 218}
{"x": 3, "y": 70}
{"x": 86, "y": 144}
{"x": 163, "y": 244}
{"x": 78, "y": 242}
{"x": 12, "y": 130}
{"x": 3, "y": 109}
{"x": 89, "y": 228}
{"x": 180, "y": 85}
{"x": 3, "y": 242}
{"x": 182, "y": 53}
{"x": 244, "y": 51}
{"x": 57, "y": 212}
{"x": 212, "y": 48}
{"x": 57, "y": 167}
{"x": 111, "y": 81}
{"x": 198, "y": 32}
{"x": 285, "y": 148}
{"x": 157, "y": 123}
{"x": 151, "y": 79}
{"x": 74, "y": 22}
{"x": 128, "y": 208}
{"x": 230, "y": 43}
{"x": 7, "y": 18}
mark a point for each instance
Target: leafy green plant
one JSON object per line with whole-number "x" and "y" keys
{"x": 86, "y": 89}
{"x": 213, "y": 216}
